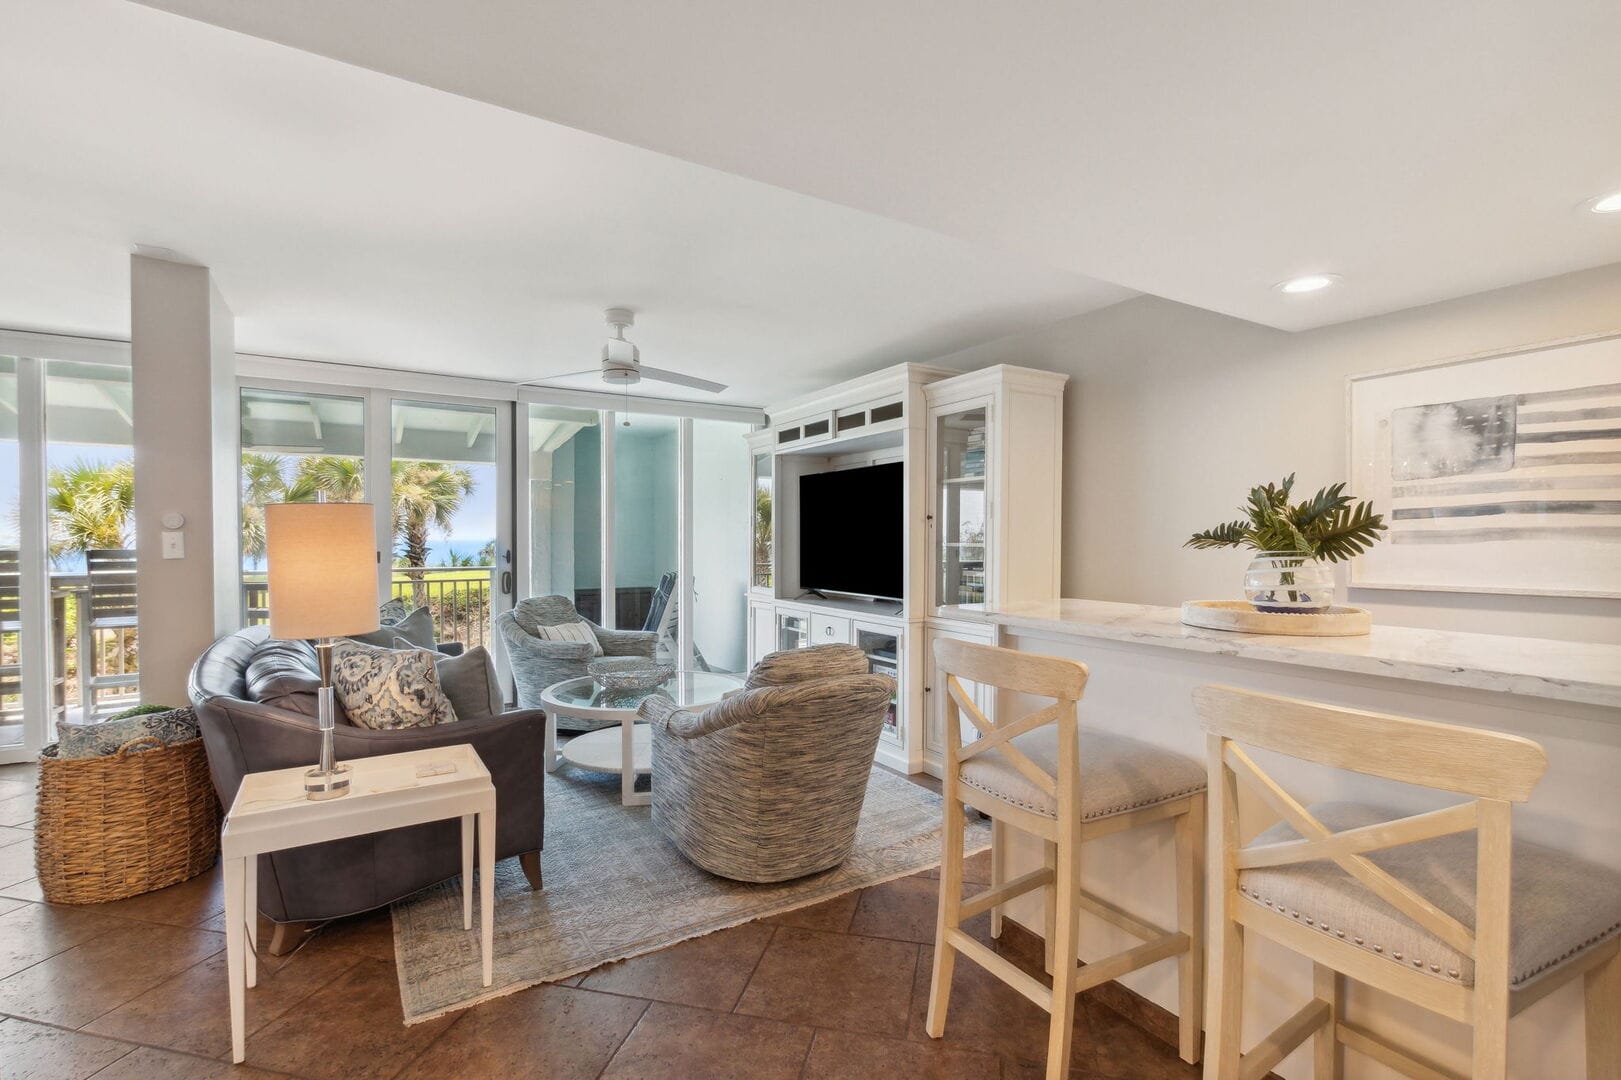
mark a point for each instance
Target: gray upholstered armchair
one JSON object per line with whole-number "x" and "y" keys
{"x": 538, "y": 663}
{"x": 767, "y": 784}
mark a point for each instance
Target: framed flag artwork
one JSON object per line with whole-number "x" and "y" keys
{"x": 1496, "y": 474}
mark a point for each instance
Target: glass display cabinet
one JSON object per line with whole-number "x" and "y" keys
{"x": 960, "y": 516}
{"x": 762, "y": 576}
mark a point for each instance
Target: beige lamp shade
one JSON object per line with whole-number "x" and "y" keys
{"x": 323, "y": 569}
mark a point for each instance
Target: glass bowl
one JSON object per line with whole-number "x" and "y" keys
{"x": 616, "y": 677}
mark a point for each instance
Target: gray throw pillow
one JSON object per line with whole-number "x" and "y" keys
{"x": 388, "y": 689}
{"x": 417, "y": 628}
{"x": 468, "y": 680}
{"x": 104, "y": 738}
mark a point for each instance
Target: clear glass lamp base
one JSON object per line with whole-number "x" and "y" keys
{"x": 321, "y": 784}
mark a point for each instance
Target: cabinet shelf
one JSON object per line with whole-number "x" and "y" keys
{"x": 964, "y": 480}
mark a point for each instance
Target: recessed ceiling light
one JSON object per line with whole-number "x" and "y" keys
{"x": 1606, "y": 204}
{"x": 1307, "y": 283}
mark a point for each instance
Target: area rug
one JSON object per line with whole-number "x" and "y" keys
{"x": 615, "y": 889}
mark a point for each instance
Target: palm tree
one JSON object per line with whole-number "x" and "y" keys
{"x": 427, "y": 495}
{"x": 339, "y": 478}
{"x": 90, "y": 504}
{"x": 264, "y": 480}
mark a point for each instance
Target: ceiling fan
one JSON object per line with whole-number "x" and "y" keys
{"x": 622, "y": 361}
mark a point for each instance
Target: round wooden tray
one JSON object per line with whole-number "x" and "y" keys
{"x": 1239, "y": 617}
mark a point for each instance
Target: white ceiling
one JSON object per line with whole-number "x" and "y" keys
{"x": 1200, "y": 151}
{"x": 353, "y": 216}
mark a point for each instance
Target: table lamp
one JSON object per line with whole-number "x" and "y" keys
{"x": 322, "y": 560}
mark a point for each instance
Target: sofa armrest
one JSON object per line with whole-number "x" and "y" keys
{"x": 450, "y": 648}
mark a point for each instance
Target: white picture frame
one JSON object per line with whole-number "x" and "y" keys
{"x": 1496, "y": 473}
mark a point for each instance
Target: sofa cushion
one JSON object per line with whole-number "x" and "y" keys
{"x": 1117, "y": 774}
{"x": 387, "y": 689}
{"x": 417, "y": 628}
{"x": 1559, "y": 906}
{"x": 579, "y": 632}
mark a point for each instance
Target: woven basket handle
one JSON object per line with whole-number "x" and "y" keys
{"x": 130, "y": 747}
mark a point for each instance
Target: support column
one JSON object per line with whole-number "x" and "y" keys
{"x": 183, "y": 360}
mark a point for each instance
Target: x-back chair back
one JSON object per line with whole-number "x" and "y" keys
{"x": 1495, "y": 770}
{"x": 1055, "y": 811}
{"x": 1025, "y": 673}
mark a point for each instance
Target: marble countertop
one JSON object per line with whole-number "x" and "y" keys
{"x": 1581, "y": 672}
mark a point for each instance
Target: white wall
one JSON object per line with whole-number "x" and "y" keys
{"x": 1172, "y": 413}
{"x": 181, "y": 354}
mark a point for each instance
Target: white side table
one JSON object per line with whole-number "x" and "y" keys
{"x": 270, "y": 813}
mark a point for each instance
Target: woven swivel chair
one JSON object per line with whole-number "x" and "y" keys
{"x": 538, "y": 663}
{"x": 767, "y": 784}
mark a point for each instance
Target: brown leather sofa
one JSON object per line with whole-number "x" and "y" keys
{"x": 256, "y": 703}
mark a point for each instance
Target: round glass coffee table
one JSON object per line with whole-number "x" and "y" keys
{"x": 629, "y": 749}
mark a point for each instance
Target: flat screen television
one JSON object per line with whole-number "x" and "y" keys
{"x": 851, "y": 525}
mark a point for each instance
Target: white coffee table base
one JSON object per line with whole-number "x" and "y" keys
{"x": 626, "y": 749}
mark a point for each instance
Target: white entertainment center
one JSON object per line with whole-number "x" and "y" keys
{"x": 981, "y": 495}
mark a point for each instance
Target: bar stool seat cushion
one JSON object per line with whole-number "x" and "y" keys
{"x": 1560, "y": 905}
{"x": 1117, "y": 774}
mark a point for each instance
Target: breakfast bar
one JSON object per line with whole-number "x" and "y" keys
{"x": 1144, "y": 665}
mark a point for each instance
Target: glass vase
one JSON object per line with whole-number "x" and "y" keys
{"x": 1288, "y": 581}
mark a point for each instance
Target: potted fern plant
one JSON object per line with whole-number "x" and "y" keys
{"x": 1295, "y": 543}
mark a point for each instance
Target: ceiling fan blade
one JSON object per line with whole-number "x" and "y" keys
{"x": 564, "y": 375}
{"x": 681, "y": 380}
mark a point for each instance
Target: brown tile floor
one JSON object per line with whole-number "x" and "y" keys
{"x": 136, "y": 989}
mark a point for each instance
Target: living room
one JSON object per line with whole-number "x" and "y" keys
{"x": 769, "y": 474}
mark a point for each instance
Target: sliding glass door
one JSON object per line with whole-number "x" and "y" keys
{"x": 450, "y": 550}
{"x": 68, "y": 586}
{"x": 646, "y": 526}
{"x": 296, "y": 447}
{"x": 564, "y": 511}
{"x": 722, "y": 541}
{"x": 12, "y": 643}
{"x": 437, "y": 469}
{"x": 639, "y": 517}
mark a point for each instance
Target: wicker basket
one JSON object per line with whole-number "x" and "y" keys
{"x": 110, "y": 827}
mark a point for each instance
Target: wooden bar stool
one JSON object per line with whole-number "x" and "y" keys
{"x": 1046, "y": 775}
{"x": 1474, "y": 928}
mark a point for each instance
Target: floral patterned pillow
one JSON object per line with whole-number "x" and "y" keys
{"x": 388, "y": 689}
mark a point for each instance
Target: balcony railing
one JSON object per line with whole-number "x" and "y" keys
{"x": 457, "y": 597}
